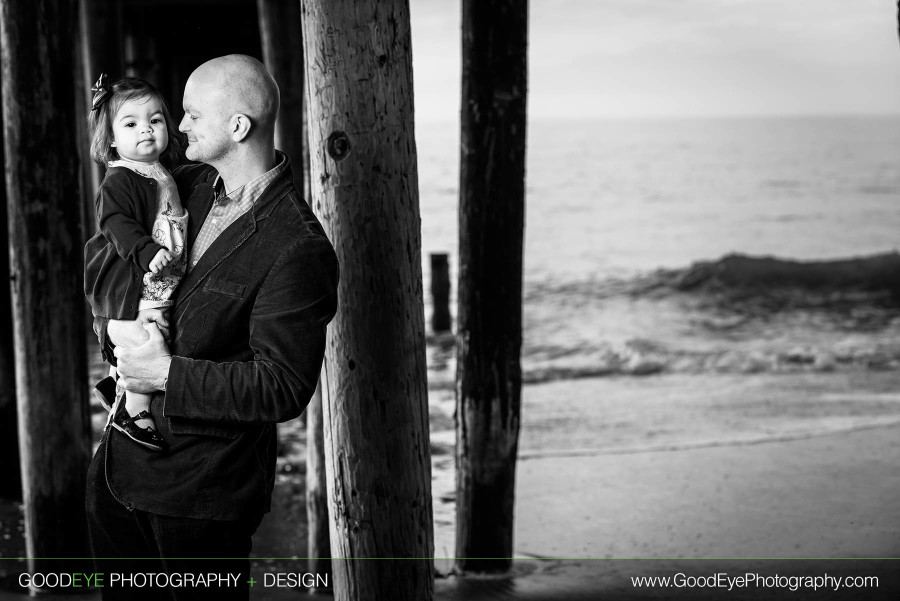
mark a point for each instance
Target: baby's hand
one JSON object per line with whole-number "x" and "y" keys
{"x": 158, "y": 316}
{"x": 162, "y": 258}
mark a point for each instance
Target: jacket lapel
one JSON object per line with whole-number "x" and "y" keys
{"x": 198, "y": 206}
{"x": 227, "y": 242}
{"x": 234, "y": 235}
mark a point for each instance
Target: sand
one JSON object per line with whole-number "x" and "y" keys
{"x": 622, "y": 477}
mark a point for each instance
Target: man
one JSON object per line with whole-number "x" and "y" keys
{"x": 247, "y": 341}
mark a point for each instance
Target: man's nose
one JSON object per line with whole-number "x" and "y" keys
{"x": 183, "y": 126}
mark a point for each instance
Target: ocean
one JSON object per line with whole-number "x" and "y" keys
{"x": 622, "y": 216}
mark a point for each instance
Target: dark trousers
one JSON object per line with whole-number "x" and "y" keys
{"x": 135, "y": 543}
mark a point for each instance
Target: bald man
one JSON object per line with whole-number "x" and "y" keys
{"x": 247, "y": 336}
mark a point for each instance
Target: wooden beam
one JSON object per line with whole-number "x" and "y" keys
{"x": 440, "y": 293}
{"x": 489, "y": 317}
{"x": 42, "y": 187}
{"x": 319, "y": 541}
{"x": 10, "y": 477}
{"x": 364, "y": 187}
{"x": 102, "y": 51}
{"x": 280, "y": 31}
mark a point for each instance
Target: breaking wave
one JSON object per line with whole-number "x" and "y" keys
{"x": 738, "y": 314}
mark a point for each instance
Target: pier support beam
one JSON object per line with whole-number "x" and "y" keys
{"x": 280, "y": 31}
{"x": 440, "y": 293}
{"x": 365, "y": 190}
{"x": 10, "y": 477}
{"x": 489, "y": 317}
{"x": 319, "y": 543}
{"x": 38, "y": 45}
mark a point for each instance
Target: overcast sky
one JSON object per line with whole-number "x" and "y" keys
{"x": 610, "y": 58}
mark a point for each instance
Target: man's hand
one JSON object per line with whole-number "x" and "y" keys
{"x": 124, "y": 332}
{"x": 162, "y": 258}
{"x": 146, "y": 367}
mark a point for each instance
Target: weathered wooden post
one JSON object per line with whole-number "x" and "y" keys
{"x": 489, "y": 318}
{"x": 10, "y": 477}
{"x": 440, "y": 293}
{"x": 319, "y": 542}
{"x": 282, "y": 48}
{"x": 101, "y": 41}
{"x": 359, "y": 76}
{"x": 42, "y": 188}
{"x": 280, "y": 30}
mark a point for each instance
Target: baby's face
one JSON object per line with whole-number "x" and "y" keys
{"x": 139, "y": 130}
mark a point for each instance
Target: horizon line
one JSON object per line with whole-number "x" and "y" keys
{"x": 685, "y": 117}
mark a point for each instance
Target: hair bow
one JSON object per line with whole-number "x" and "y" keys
{"x": 101, "y": 92}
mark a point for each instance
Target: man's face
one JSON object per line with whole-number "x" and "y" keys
{"x": 205, "y": 122}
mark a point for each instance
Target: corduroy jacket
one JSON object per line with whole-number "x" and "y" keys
{"x": 248, "y": 338}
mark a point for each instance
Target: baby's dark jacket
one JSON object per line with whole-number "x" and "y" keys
{"x": 119, "y": 254}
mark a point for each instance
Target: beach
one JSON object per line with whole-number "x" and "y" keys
{"x": 618, "y": 477}
{"x": 622, "y": 477}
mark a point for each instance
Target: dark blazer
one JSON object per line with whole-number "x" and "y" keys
{"x": 119, "y": 254}
{"x": 248, "y": 339}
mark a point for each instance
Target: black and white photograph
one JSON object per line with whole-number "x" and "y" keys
{"x": 451, "y": 300}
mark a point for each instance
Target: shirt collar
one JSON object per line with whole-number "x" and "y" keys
{"x": 154, "y": 170}
{"x": 246, "y": 195}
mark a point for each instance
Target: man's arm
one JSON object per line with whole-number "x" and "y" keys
{"x": 287, "y": 336}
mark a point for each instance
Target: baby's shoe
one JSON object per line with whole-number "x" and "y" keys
{"x": 148, "y": 437}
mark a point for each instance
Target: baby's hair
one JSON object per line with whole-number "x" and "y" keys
{"x": 100, "y": 122}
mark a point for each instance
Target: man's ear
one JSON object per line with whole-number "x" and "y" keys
{"x": 240, "y": 126}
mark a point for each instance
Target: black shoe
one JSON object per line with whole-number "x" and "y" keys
{"x": 105, "y": 392}
{"x": 148, "y": 437}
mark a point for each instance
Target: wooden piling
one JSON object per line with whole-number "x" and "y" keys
{"x": 42, "y": 187}
{"x": 364, "y": 188}
{"x": 91, "y": 173}
{"x": 440, "y": 293}
{"x": 102, "y": 51}
{"x": 489, "y": 317}
{"x": 319, "y": 539}
{"x": 280, "y": 31}
{"x": 10, "y": 477}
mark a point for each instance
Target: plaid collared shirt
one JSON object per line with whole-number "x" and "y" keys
{"x": 227, "y": 209}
